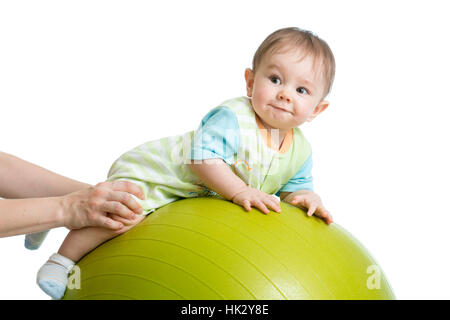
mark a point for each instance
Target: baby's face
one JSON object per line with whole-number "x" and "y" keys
{"x": 286, "y": 91}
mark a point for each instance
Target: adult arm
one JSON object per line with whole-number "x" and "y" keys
{"x": 22, "y": 179}
{"x": 50, "y": 206}
{"x": 87, "y": 207}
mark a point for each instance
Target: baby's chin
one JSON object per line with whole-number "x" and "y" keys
{"x": 276, "y": 120}
{"x": 279, "y": 125}
{"x": 285, "y": 122}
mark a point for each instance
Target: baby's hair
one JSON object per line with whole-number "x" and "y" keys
{"x": 305, "y": 40}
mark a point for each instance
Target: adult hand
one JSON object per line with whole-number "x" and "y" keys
{"x": 94, "y": 206}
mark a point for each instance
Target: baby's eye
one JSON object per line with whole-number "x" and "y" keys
{"x": 275, "y": 79}
{"x": 302, "y": 90}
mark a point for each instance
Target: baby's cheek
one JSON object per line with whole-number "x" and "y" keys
{"x": 300, "y": 117}
{"x": 258, "y": 107}
{"x": 261, "y": 94}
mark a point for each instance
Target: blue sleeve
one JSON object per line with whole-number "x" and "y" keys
{"x": 217, "y": 136}
{"x": 302, "y": 180}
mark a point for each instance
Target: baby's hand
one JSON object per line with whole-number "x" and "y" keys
{"x": 313, "y": 203}
{"x": 251, "y": 197}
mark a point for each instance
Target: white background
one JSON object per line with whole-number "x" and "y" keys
{"x": 81, "y": 82}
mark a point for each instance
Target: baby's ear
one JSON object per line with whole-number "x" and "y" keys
{"x": 249, "y": 80}
{"x": 318, "y": 110}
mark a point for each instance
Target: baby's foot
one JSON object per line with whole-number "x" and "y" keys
{"x": 34, "y": 240}
{"x": 52, "y": 276}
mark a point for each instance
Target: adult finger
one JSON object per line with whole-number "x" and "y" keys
{"x": 127, "y": 186}
{"x": 118, "y": 218}
{"x": 126, "y": 199}
{"x": 103, "y": 221}
{"x": 117, "y": 208}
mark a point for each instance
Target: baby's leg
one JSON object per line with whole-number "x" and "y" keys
{"x": 52, "y": 276}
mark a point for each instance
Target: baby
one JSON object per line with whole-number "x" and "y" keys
{"x": 245, "y": 150}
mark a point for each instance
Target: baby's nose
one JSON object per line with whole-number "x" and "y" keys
{"x": 283, "y": 96}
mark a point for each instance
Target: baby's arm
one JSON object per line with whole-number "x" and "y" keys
{"x": 217, "y": 176}
{"x": 310, "y": 200}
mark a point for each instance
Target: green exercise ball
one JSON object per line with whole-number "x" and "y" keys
{"x": 208, "y": 248}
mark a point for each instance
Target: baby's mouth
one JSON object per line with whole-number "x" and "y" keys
{"x": 279, "y": 108}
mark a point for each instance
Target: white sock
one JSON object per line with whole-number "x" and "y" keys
{"x": 34, "y": 240}
{"x": 52, "y": 276}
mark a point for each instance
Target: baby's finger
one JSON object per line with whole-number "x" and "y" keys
{"x": 261, "y": 206}
{"x": 324, "y": 214}
{"x": 274, "y": 205}
{"x": 247, "y": 205}
{"x": 298, "y": 200}
{"x": 312, "y": 208}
